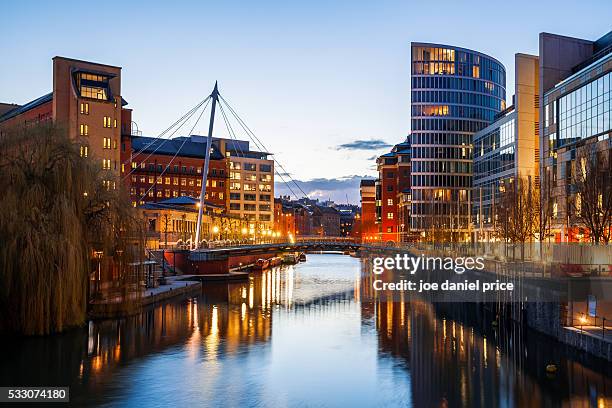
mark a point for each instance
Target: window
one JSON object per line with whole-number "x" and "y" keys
{"x": 114, "y": 122}
{"x": 389, "y": 229}
{"x": 107, "y": 121}
{"x": 93, "y": 92}
{"x": 250, "y": 197}
{"x": 266, "y": 168}
{"x": 389, "y": 215}
{"x": 250, "y": 207}
{"x": 167, "y": 180}
{"x": 250, "y": 167}
{"x": 106, "y": 164}
{"x": 84, "y": 151}
{"x": 84, "y": 108}
{"x": 84, "y": 130}
{"x": 234, "y": 206}
{"x": 389, "y": 201}
{"x": 107, "y": 142}
{"x": 389, "y": 188}
{"x": 234, "y": 196}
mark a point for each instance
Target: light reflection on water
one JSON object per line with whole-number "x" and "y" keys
{"x": 309, "y": 335}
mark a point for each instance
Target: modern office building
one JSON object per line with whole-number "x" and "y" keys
{"x": 508, "y": 148}
{"x": 86, "y": 101}
{"x": 576, "y": 81}
{"x": 394, "y": 188}
{"x": 456, "y": 92}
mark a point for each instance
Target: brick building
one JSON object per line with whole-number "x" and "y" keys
{"x": 86, "y": 101}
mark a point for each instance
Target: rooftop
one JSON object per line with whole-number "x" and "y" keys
{"x": 192, "y": 146}
{"x": 26, "y": 107}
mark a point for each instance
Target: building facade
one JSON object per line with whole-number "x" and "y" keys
{"x": 86, "y": 101}
{"x": 507, "y": 149}
{"x": 393, "y": 193}
{"x": 251, "y": 185}
{"x": 456, "y": 92}
{"x": 368, "y": 226}
{"x": 576, "y": 78}
{"x": 159, "y": 169}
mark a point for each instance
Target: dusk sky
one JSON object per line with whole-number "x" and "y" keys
{"x": 325, "y": 85}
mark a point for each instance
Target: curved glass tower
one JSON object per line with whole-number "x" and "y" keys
{"x": 455, "y": 93}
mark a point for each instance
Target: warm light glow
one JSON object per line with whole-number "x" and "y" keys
{"x": 244, "y": 231}
{"x": 215, "y": 229}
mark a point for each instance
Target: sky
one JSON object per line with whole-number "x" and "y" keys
{"x": 325, "y": 85}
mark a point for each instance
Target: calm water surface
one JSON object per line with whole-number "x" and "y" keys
{"x": 306, "y": 336}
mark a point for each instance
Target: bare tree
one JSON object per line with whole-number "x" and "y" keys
{"x": 518, "y": 212}
{"x": 592, "y": 203}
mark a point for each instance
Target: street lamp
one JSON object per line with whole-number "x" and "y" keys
{"x": 215, "y": 231}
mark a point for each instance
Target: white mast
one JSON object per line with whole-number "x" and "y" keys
{"x": 215, "y": 97}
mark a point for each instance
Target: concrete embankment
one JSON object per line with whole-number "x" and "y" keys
{"x": 116, "y": 307}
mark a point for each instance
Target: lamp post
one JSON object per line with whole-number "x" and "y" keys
{"x": 98, "y": 255}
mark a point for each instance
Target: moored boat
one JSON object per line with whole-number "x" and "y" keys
{"x": 290, "y": 259}
{"x": 261, "y": 264}
{"x": 302, "y": 257}
{"x": 275, "y": 261}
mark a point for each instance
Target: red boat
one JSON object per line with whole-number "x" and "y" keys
{"x": 261, "y": 264}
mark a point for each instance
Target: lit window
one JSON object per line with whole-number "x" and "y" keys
{"x": 476, "y": 71}
{"x": 93, "y": 92}
{"x": 107, "y": 121}
{"x": 389, "y": 215}
{"x": 85, "y": 108}
{"x": 84, "y": 151}
{"x": 389, "y": 201}
{"x": 84, "y": 130}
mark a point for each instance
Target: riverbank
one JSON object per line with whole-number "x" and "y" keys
{"x": 118, "y": 307}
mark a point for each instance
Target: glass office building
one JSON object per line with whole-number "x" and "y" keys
{"x": 577, "y": 120}
{"x": 455, "y": 93}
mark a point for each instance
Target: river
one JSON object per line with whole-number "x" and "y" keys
{"x": 307, "y": 335}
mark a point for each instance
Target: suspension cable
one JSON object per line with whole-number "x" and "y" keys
{"x": 186, "y": 118}
{"x": 232, "y": 134}
{"x": 176, "y": 154}
{"x": 252, "y": 135}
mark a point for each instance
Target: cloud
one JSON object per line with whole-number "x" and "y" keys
{"x": 373, "y": 144}
{"x": 337, "y": 189}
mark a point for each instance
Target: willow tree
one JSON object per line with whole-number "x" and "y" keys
{"x": 56, "y": 210}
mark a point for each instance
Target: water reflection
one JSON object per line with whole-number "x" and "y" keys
{"x": 313, "y": 334}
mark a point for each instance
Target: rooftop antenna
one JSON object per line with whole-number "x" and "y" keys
{"x": 215, "y": 98}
